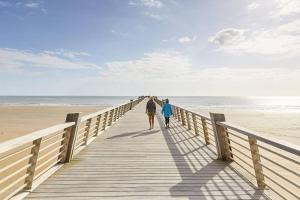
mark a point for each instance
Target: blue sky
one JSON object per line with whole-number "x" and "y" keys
{"x": 159, "y": 47}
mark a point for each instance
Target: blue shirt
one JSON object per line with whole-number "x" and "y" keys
{"x": 167, "y": 110}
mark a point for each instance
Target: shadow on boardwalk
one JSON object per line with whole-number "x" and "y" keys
{"x": 203, "y": 176}
{"x": 135, "y": 134}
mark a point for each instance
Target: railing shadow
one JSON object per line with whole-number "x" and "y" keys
{"x": 134, "y": 134}
{"x": 203, "y": 176}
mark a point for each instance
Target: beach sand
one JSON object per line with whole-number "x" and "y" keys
{"x": 20, "y": 120}
{"x": 281, "y": 125}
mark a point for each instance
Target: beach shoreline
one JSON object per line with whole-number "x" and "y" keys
{"x": 19, "y": 120}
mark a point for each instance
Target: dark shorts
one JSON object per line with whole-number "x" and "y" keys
{"x": 150, "y": 114}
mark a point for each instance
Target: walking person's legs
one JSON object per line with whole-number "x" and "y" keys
{"x": 152, "y": 120}
{"x": 167, "y": 122}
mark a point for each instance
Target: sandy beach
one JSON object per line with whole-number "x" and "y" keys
{"x": 281, "y": 125}
{"x": 19, "y": 120}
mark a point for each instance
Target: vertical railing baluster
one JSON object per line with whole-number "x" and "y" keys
{"x": 259, "y": 175}
{"x": 87, "y": 131}
{"x": 182, "y": 117}
{"x": 33, "y": 162}
{"x": 188, "y": 120}
{"x": 98, "y": 125}
{"x": 205, "y": 130}
{"x": 178, "y": 114}
{"x": 105, "y": 120}
{"x": 195, "y": 124}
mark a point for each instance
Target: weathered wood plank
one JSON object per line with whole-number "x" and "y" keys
{"x": 128, "y": 161}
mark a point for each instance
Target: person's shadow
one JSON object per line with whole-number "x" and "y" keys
{"x": 203, "y": 176}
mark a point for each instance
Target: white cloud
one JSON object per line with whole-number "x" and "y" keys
{"x": 228, "y": 36}
{"x": 67, "y": 53}
{"x": 286, "y": 8}
{"x": 17, "y": 59}
{"x": 282, "y": 41}
{"x": 169, "y": 73}
{"x": 146, "y": 3}
{"x": 153, "y": 16}
{"x": 252, "y": 6}
{"x": 32, "y": 5}
{"x": 187, "y": 39}
{"x": 152, "y": 66}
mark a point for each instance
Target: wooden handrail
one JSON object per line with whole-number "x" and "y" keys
{"x": 19, "y": 141}
{"x": 224, "y": 143}
{"x": 283, "y": 145}
{"x": 59, "y": 150}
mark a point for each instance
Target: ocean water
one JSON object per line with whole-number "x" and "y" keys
{"x": 65, "y": 100}
{"x": 285, "y": 103}
{"x": 273, "y": 104}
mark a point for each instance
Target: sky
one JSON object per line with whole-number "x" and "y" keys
{"x": 150, "y": 47}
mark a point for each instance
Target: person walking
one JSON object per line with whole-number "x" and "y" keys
{"x": 151, "y": 110}
{"x": 167, "y": 112}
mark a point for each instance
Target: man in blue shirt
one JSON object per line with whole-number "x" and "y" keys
{"x": 167, "y": 112}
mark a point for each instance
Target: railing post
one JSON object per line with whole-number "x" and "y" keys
{"x": 178, "y": 114}
{"x": 195, "y": 124}
{"x": 259, "y": 175}
{"x": 98, "y": 124}
{"x": 221, "y": 137}
{"x": 123, "y": 110}
{"x": 105, "y": 120}
{"x": 33, "y": 161}
{"x": 182, "y": 117}
{"x": 119, "y": 111}
{"x": 88, "y": 127}
{"x": 188, "y": 120}
{"x": 70, "y": 137}
{"x": 111, "y": 115}
{"x": 205, "y": 130}
{"x": 115, "y": 114}
{"x": 174, "y": 112}
{"x": 131, "y": 102}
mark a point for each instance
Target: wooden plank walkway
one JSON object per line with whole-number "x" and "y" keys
{"x": 128, "y": 161}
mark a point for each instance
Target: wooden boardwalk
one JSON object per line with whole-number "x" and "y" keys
{"x": 128, "y": 161}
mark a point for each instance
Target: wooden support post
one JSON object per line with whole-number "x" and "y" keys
{"x": 123, "y": 110}
{"x": 70, "y": 137}
{"x": 178, "y": 114}
{"x": 98, "y": 125}
{"x": 32, "y": 161}
{"x": 259, "y": 175}
{"x": 195, "y": 124}
{"x": 174, "y": 112}
{"x": 87, "y": 129}
{"x": 119, "y": 110}
{"x": 182, "y": 117}
{"x": 115, "y": 114}
{"x": 221, "y": 137}
{"x": 111, "y": 115}
{"x": 205, "y": 130}
{"x": 131, "y": 104}
{"x": 105, "y": 120}
{"x": 188, "y": 120}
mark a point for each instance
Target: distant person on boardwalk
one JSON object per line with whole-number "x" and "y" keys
{"x": 151, "y": 110}
{"x": 167, "y": 112}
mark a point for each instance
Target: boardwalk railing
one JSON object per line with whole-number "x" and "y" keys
{"x": 273, "y": 164}
{"x": 24, "y": 159}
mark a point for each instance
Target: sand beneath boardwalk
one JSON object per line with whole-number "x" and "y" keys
{"x": 20, "y": 120}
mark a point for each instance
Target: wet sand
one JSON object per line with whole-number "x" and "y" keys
{"x": 20, "y": 120}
